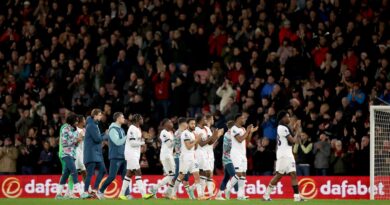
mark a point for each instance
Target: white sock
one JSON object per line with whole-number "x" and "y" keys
{"x": 175, "y": 187}
{"x": 164, "y": 181}
{"x": 199, "y": 190}
{"x": 228, "y": 185}
{"x": 169, "y": 190}
{"x": 203, "y": 181}
{"x": 125, "y": 184}
{"x": 187, "y": 188}
{"x": 241, "y": 185}
{"x": 232, "y": 182}
{"x": 220, "y": 192}
{"x": 210, "y": 187}
{"x": 140, "y": 185}
{"x": 60, "y": 188}
{"x": 297, "y": 196}
{"x": 269, "y": 190}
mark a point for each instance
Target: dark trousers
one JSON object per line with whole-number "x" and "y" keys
{"x": 91, "y": 166}
{"x": 68, "y": 169}
{"x": 303, "y": 170}
{"x": 229, "y": 172}
{"x": 115, "y": 166}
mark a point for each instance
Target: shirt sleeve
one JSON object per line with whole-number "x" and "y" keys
{"x": 186, "y": 136}
{"x": 284, "y": 132}
{"x": 164, "y": 137}
{"x": 236, "y": 131}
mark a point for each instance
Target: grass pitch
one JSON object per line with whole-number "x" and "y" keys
{"x": 184, "y": 202}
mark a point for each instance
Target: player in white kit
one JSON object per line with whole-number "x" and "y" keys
{"x": 202, "y": 153}
{"x": 166, "y": 154}
{"x": 133, "y": 144}
{"x": 285, "y": 162}
{"x": 238, "y": 153}
{"x": 80, "y": 148}
{"x": 182, "y": 126}
{"x": 188, "y": 163}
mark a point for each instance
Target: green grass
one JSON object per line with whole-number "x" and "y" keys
{"x": 182, "y": 202}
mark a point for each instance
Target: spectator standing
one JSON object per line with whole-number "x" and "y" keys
{"x": 322, "y": 153}
{"x": 46, "y": 159}
{"x": 363, "y": 157}
{"x": 263, "y": 158}
{"x": 8, "y": 157}
{"x": 303, "y": 151}
{"x": 161, "y": 81}
{"x": 338, "y": 159}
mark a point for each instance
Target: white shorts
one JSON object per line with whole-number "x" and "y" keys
{"x": 132, "y": 164}
{"x": 240, "y": 163}
{"x": 285, "y": 165}
{"x": 211, "y": 162}
{"x": 188, "y": 165}
{"x": 168, "y": 164}
{"x": 203, "y": 160}
{"x": 80, "y": 163}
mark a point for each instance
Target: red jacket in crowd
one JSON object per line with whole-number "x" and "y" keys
{"x": 161, "y": 85}
{"x": 286, "y": 33}
{"x": 319, "y": 55}
{"x": 216, "y": 43}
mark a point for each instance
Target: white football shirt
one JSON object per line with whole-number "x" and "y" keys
{"x": 209, "y": 148}
{"x": 185, "y": 136}
{"x": 284, "y": 147}
{"x": 134, "y": 134}
{"x": 166, "y": 138}
{"x": 238, "y": 147}
{"x": 80, "y": 145}
{"x": 202, "y": 132}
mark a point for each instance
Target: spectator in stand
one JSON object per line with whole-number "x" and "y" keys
{"x": 303, "y": 151}
{"x": 322, "y": 153}
{"x": 225, "y": 92}
{"x": 363, "y": 157}
{"x": 269, "y": 124}
{"x": 46, "y": 159}
{"x": 8, "y": 157}
{"x": 263, "y": 158}
{"x": 161, "y": 81}
{"x": 338, "y": 159}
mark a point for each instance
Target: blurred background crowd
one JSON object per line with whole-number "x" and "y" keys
{"x": 325, "y": 61}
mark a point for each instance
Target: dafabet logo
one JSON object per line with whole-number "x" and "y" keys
{"x": 113, "y": 190}
{"x": 308, "y": 188}
{"x": 11, "y": 187}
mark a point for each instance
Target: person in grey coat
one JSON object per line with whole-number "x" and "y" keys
{"x": 93, "y": 156}
{"x": 321, "y": 153}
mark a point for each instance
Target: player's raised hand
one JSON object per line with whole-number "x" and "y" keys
{"x": 254, "y": 129}
{"x": 249, "y": 128}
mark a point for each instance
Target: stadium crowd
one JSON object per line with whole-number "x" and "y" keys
{"x": 325, "y": 61}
